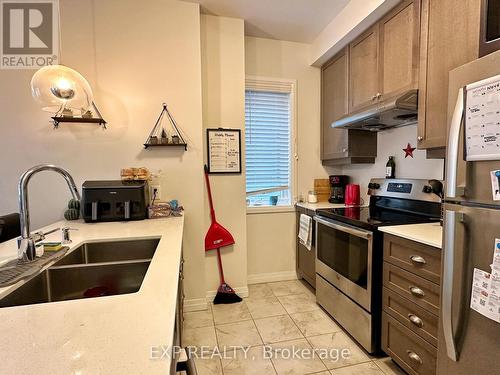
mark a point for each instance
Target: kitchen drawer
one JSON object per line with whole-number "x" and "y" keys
{"x": 412, "y": 316}
{"x": 415, "y": 355}
{"x": 417, "y": 289}
{"x": 423, "y": 260}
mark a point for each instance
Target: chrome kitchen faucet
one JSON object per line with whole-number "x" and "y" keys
{"x": 26, "y": 243}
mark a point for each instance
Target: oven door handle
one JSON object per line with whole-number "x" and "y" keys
{"x": 344, "y": 228}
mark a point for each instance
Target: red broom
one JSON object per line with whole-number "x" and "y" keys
{"x": 217, "y": 236}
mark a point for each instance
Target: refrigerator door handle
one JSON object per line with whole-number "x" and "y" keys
{"x": 447, "y": 304}
{"x": 452, "y": 151}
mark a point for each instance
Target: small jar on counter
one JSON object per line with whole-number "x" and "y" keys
{"x": 312, "y": 197}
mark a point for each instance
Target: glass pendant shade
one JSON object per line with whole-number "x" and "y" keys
{"x": 58, "y": 88}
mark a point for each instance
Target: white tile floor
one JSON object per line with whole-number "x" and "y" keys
{"x": 278, "y": 316}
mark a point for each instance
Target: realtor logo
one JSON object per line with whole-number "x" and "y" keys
{"x": 29, "y": 33}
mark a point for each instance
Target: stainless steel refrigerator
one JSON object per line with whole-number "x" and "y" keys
{"x": 469, "y": 342}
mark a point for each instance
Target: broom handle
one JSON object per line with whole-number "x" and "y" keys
{"x": 212, "y": 211}
{"x": 221, "y": 272}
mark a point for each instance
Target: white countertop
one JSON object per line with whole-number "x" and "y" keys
{"x": 319, "y": 205}
{"x": 106, "y": 335}
{"x": 429, "y": 234}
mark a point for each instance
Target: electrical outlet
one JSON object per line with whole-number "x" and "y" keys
{"x": 155, "y": 189}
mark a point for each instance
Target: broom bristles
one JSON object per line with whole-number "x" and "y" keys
{"x": 225, "y": 295}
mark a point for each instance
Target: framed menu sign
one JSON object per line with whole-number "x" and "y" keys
{"x": 224, "y": 150}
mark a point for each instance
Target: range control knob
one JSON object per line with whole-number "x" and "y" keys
{"x": 427, "y": 189}
{"x": 373, "y": 185}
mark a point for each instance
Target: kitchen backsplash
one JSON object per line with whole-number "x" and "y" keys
{"x": 391, "y": 143}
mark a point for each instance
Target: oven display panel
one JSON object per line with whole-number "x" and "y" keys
{"x": 399, "y": 188}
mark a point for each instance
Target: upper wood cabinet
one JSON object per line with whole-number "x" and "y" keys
{"x": 380, "y": 63}
{"x": 334, "y": 105}
{"x": 399, "y": 49}
{"x": 449, "y": 38}
{"x": 384, "y": 60}
{"x": 341, "y": 146}
{"x": 363, "y": 72}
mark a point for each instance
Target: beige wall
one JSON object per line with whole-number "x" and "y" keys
{"x": 271, "y": 247}
{"x": 271, "y": 236}
{"x": 351, "y": 22}
{"x": 391, "y": 143}
{"x": 135, "y": 57}
{"x": 223, "y": 72}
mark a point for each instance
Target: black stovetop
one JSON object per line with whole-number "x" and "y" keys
{"x": 376, "y": 216}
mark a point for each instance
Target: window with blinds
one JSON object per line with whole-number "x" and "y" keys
{"x": 268, "y": 140}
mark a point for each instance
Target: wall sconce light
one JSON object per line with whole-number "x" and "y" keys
{"x": 66, "y": 93}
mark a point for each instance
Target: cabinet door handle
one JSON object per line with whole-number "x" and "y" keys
{"x": 94, "y": 211}
{"x": 417, "y": 292}
{"x": 374, "y": 97}
{"x": 344, "y": 149}
{"x": 414, "y": 357}
{"x": 420, "y": 138}
{"x": 379, "y": 96}
{"x": 416, "y": 320}
{"x": 417, "y": 259}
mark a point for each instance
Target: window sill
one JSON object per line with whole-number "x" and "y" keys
{"x": 256, "y": 210}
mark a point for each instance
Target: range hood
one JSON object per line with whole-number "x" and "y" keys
{"x": 395, "y": 112}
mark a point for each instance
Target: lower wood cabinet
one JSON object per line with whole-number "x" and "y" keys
{"x": 410, "y": 304}
{"x": 412, "y": 316}
{"x": 415, "y": 355}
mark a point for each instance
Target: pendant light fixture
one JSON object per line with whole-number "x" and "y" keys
{"x": 66, "y": 93}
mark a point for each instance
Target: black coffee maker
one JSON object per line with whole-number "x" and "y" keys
{"x": 337, "y": 186}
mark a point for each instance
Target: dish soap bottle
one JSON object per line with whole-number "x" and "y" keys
{"x": 390, "y": 168}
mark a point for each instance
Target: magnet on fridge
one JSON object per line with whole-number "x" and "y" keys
{"x": 495, "y": 184}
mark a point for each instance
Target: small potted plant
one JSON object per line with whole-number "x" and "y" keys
{"x": 175, "y": 139}
{"x": 164, "y": 137}
{"x": 153, "y": 140}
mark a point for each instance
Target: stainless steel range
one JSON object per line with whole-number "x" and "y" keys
{"x": 350, "y": 251}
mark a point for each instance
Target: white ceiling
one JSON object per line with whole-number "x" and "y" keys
{"x": 292, "y": 20}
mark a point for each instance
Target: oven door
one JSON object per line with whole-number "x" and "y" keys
{"x": 344, "y": 258}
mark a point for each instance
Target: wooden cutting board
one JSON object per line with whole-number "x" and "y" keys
{"x": 322, "y": 189}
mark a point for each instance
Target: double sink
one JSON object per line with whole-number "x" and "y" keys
{"x": 92, "y": 270}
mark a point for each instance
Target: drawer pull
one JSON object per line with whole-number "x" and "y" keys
{"x": 417, "y": 292}
{"x": 417, "y": 259}
{"x": 416, "y": 320}
{"x": 414, "y": 357}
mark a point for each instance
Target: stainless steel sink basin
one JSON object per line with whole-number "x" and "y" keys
{"x": 116, "y": 251}
{"x": 92, "y": 270}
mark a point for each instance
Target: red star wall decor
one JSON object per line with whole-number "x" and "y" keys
{"x": 409, "y": 150}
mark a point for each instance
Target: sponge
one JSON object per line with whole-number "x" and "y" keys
{"x": 52, "y": 246}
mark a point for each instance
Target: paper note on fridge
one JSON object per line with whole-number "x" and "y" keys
{"x": 482, "y": 120}
{"x": 496, "y": 255}
{"x": 495, "y": 184}
{"x": 495, "y": 270}
{"x": 482, "y": 300}
{"x": 485, "y": 297}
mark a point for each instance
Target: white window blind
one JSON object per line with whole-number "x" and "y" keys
{"x": 268, "y": 115}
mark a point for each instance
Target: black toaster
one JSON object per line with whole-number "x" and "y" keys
{"x": 114, "y": 200}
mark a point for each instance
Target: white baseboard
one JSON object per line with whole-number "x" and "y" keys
{"x": 198, "y": 304}
{"x": 259, "y": 278}
{"x": 242, "y": 292}
{"x": 195, "y": 304}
